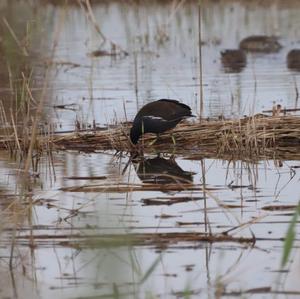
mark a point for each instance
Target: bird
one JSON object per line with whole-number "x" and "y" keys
{"x": 293, "y": 60}
{"x": 157, "y": 117}
{"x": 233, "y": 60}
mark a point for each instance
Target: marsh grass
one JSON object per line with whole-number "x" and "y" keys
{"x": 251, "y": 138}
{"x": 21, "y": 120}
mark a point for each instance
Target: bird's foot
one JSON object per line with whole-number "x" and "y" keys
{"x": 173, "y": 139}
{"x": 152, "y": 142}
{"x": 172, "y": 158}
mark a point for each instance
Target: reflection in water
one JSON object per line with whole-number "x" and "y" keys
{"x": 162, "y": 171}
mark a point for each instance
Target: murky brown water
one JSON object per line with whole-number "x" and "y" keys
{"x": 61, "y": 250}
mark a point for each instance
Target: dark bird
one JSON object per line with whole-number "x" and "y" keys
{"x": 261, "y": 44}
{"x": 233, "y": 60}
{"x": 293, "y": 60}
{"x": 157, "y": 117}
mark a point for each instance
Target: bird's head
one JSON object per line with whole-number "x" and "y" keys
{"x": 135, "y": 134}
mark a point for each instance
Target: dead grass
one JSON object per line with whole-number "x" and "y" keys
{"x": 125, "y": 188}
{"x": 251, "y": 137}
{"x": 158, "y": 240}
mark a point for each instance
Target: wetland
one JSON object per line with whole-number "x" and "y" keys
{"x": 207, "y": 217}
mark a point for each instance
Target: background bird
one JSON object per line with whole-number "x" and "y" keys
{"x": 157, "y": 117}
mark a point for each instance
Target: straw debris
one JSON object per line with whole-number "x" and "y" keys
{"x": 253, "y": 137}
{"x": 250, "y": 137}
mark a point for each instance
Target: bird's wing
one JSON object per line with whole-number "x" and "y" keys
{"x": 166, "y": 109}
{"x": 152, "y": 118}
{"x": 176, "y": 103}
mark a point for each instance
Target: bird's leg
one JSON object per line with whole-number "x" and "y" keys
{"x": 172, "y": 159}
{"x": 153, "y": 141}
{"x": 173, "y": 150}
{"x": 173, "y": 139}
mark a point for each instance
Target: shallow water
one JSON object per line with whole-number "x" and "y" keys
{"x": 69, "y": 257}
{"x": 169, "y": 67}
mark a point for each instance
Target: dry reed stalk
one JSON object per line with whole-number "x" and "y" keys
{"x": 136, "y": 79}
{"x": 206, "y": 219}
{"x": 7, "y": 131}
{"x": 15, "y": 131}
{"x": 296, "y": 92}
{"x": 28, "y": 90}
{"x": 137, "y": 239}
{"x": 40, "y": 105}
{"x": 200, "y": 59}
{"x": 87, "y": 8}
{"x": 124, "y": 188}
{"x": 23, "y": 49}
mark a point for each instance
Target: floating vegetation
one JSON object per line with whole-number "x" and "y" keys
{"x": 257, "y": 137}
{"x": 280, "y": 208}
{"x": 112, "y": 53}
{"x": 125, "y": 188}
{"x": 169, "y": 200}
{"x": 260, "y": 291}
{"x": 159, "y": 240}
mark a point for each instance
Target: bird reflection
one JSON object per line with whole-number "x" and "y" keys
{"x": 162, "y": 171}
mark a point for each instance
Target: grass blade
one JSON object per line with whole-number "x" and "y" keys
{"x": 150, "y": 270}
{"x": 290, "y": 237}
